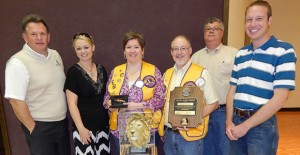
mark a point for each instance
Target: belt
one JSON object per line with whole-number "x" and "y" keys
{"x": 172, "y": 129}
{"x": 222, "y": 106}
{"x": 243, "y": 113}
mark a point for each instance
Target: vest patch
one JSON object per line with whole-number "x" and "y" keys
{"x": 149, "y": 81}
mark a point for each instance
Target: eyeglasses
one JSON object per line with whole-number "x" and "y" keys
{"x": 214, "y": 29}
{"x": 182, "y": 49}
{"x": 81, "y": 34}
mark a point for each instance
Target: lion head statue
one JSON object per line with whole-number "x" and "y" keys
{"x": 138, "y": 130}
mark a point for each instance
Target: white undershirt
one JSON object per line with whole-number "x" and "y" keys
{"x": 130, "y": 83}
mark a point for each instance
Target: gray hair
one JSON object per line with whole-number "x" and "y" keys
{"x": 212, "y": 20}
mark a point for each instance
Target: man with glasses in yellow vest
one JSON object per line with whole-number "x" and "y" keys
{"x": 182, "y": 140}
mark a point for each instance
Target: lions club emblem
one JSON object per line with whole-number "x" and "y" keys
{"x": 149, "y": 81}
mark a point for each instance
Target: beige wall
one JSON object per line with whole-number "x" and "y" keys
{"x": 285, "y": 26}
{"x": 236, "y": 28}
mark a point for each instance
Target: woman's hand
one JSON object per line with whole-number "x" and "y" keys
{"x": 134, "y": 105}
{"x": 108, "y": 104}
{"x": 85, "y": 136}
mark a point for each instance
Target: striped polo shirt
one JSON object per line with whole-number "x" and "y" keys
{"x": 257, "y": 72}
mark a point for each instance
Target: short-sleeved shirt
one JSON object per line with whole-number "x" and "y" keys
{"x": 219, "y": 63}
{"x": 38, "y": 80}
{"x": 17, "y": 85}
{"x": 90, "y": 96}
{"x": 257, "y": 72}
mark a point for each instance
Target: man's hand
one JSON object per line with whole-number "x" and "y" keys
{"x": 235, "y": 132}
{"x": 182, "y": 128}
{"x": 229, "y": 128}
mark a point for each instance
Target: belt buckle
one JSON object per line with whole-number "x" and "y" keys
{"x": 222, "y": 106}
{"x": 248, "y": 113}
{"x": 242, "y": 113}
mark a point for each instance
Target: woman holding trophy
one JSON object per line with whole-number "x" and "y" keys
{"x": 136, "y": 84}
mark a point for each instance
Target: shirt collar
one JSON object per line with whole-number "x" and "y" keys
{"x": 41, "y": 56}
{"x": 272, "y": 40}
{"x": 214, "y": 51}
{"x": 184, "y": 68}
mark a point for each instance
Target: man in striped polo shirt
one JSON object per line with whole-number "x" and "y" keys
{"x": 262, "y": 76}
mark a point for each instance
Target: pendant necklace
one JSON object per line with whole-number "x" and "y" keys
{"x": 90, "y": 72}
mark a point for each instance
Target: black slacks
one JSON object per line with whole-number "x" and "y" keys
{"x": 49, "y": 138}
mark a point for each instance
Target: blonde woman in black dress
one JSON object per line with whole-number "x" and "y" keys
{"x": 85, "y": 88}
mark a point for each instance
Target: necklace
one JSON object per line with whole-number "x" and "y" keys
{"x": 90, "y": 72}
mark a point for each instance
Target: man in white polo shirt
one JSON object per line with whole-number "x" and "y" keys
{"x": 34, "y": 81}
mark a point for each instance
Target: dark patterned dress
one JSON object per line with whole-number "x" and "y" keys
{"x": 94, "y": 116}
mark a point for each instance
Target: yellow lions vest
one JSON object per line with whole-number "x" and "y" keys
{"x": 147, "y": 76}
{"x": 191, "y": 75}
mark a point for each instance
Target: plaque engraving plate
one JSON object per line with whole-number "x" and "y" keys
{"x": 186, "y": 107}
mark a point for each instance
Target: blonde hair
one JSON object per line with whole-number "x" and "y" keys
{"x": 82, "y": 36}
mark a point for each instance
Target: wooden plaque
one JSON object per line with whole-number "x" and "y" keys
{"x": 186, "y": 107}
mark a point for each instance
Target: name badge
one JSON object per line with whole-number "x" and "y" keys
{"x": 139, "y": 84}
{"x": 200, "y": 82}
